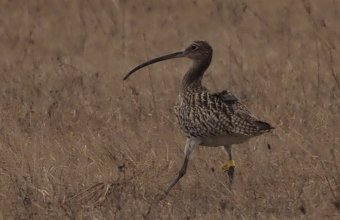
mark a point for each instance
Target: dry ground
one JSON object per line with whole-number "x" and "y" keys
{"x": 78, "y": 142}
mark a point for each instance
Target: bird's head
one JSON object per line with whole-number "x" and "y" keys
{"x": 196, "y": 51}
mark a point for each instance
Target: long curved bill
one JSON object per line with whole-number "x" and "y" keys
{"x": 158, "y": 59}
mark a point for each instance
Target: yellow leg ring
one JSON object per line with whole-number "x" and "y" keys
{"x": 228, "y": 165}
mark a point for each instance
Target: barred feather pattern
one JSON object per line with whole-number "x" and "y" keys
{"x": 202, "y": 114}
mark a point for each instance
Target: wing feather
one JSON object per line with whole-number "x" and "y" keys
{"x": 201, "y": 114}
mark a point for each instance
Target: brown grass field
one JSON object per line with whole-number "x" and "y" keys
{"x": 76, "y": 142}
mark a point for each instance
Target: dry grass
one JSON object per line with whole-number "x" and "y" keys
{"x": 78, "y": 142}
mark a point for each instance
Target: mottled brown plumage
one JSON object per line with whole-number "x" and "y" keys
{"x": 211, "y": 119}
{"x": 202, "y": 114}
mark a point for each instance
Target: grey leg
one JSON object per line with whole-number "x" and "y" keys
{"x": 189, "y": 147}
{"x": 230, "y": 165}
{"x": 228, "y": 150}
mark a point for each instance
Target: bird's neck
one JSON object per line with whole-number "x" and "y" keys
{"x": 193, "y": 78}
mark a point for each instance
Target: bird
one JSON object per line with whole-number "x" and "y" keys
{"x": 215, "y": 119}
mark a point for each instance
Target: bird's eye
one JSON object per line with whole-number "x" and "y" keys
{"x": 193, "y": 47}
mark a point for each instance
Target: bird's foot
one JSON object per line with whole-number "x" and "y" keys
{"x": 230, "y": 168}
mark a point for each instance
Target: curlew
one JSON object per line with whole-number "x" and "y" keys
{"x": 208, "y": 119}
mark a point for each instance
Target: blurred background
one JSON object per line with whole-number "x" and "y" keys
{"x": 78, "y": 142}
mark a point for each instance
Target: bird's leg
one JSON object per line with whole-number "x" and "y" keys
{"x": 230, "y": 165}
{"x": 189, "y": 147}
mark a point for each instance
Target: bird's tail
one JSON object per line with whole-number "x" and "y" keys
{"x": 264, "y": 126}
